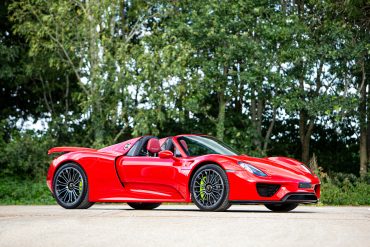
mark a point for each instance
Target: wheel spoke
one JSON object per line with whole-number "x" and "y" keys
{"x": 208, "y": 200}
{"x": 67, "y": 174}
{"x": 71, "y": 196}
{"x": 65, "y": 196}
{"x": 74, "y": 174}
{"x": 61, "y": 183}
{"x": 207, "y": 176}
{"x": 74, "y": 195}
{"x": 76, "y": 180}
{"x": 212, "y": 178}
{"x": 62, "y": 190}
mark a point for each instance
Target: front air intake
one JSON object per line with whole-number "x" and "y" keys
{"x": 301, "y": 198}
{"x": 267, "y": 190}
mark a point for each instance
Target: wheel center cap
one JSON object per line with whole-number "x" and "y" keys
{"x": 70, "y": 186}
{"x": 208, "y": 188}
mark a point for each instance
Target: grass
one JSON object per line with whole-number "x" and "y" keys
{"x": 333, "y": 192}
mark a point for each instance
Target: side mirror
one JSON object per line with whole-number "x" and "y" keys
{"x": 165, "y": 154}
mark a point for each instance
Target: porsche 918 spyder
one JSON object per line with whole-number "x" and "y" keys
{"x": 146, "y": 171}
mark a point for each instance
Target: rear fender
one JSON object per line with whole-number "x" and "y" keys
{"x": 100, "y": 171}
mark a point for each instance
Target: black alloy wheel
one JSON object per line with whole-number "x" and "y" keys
{"x": 210, "y": 188}
{"x": 70, "y": 187}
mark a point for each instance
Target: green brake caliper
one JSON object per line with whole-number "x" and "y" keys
{"x": 202, "y": 188}
{"x": 80, "y": 185}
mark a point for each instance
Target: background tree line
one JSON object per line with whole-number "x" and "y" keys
{"x": 287, "y": 77}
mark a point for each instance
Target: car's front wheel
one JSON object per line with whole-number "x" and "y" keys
{"x": 210, "y": 188}
{"x": 70, "y": 187}
{"x": 282, "y": 207}
{"x": 143, "y": 205}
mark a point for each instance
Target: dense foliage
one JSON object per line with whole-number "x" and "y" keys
{"x": 269, "y": 77}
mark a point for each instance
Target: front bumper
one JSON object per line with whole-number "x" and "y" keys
{"x": 243, "y": 189}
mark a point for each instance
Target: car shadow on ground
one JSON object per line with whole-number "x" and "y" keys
{"x": 230, "y": 211}
{"x": 297, "y": 211}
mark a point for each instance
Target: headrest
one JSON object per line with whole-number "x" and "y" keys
{"x": 153, "y": 145}
{"x": 184, "y": 144}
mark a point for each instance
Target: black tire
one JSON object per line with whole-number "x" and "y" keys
{"x": 70, "y": 187}
{"x": 143, "y": 205}
{"x": 209, "y": 188}
{"x": 282, "y": 207}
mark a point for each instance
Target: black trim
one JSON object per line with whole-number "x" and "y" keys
{"x": 132, "y": 150}
{"x": 115, "y": 167}
{"x": 186, "y": 150}
{"x": 168, "y": 145}
{"x": 300, "y": 197}
{"x": 291, "y": 198}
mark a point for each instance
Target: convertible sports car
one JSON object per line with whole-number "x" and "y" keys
{"x": 146, "y": 171}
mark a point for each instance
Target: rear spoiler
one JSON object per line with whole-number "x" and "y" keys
{"x": 69, "y": 149}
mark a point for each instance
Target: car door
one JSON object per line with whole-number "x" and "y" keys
{"x": 151, "y": 177}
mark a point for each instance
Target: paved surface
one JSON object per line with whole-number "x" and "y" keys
{"x": 183, "y": 225}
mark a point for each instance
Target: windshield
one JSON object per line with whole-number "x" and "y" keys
{"x": 202, "y": 145}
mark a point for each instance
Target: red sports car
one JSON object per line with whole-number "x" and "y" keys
{"x": 146, "y": 171}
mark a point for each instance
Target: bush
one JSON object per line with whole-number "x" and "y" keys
{"x": 25, "y": 192}
{"x": 25, "y": 156}
{"x": 344, "y": 189}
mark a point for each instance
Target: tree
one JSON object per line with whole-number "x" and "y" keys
{"x": 92, "y": 39}
{"x": 317, "y": 43}
{"x": 230, "y": 64}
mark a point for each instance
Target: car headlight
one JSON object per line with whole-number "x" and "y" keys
{"x": 306, "y": 168}
{"x": 252, "y": 169}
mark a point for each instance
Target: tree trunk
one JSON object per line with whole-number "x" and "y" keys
{"x": 221, "y": 116}
{"x": 257, "y": 108}
{"x": 222, "y": 108}
{"x": 363, "y": 127}
{"x": 305, "y": 132}
{"x": 283, "y": 6}
{"x": 305, "y": 151}
{"x": 269, "y": 131}
{"x": 363, "y": 152}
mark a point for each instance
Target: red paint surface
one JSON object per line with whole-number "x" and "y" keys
{"x": 114, "y": 177}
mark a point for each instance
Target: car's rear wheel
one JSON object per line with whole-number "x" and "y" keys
{"x": 210, "y": 188}
{"x": 70, "y": 187}
{"x": 143, "y": 205}
{"x": 282, "y": 207}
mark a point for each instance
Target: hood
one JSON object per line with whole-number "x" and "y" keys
{"x": 277, "y": 167}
